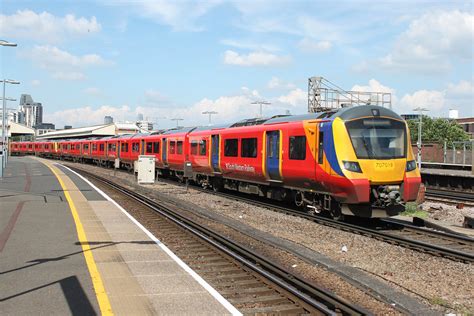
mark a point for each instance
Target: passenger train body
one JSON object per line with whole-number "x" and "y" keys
{"x": 354, "y": 161}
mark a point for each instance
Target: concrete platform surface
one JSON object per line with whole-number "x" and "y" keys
{"x": 87, "y": 257}
{"x": 447, "y": 172}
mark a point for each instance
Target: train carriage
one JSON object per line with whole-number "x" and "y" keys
{"x": 351, "y": 161}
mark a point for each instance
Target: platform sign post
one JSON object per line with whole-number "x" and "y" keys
{"x": 1, "y": 162}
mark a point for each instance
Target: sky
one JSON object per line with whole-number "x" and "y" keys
{"x": 84, "y": 60}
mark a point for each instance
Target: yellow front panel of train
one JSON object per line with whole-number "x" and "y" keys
{"x": 383, "y": 171}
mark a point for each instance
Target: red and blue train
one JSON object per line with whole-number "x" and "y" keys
{"x": 352, "y": 161}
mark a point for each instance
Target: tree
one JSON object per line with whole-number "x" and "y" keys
{"x": 437, "y": 130}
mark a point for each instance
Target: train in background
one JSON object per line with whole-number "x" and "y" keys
{"x": 352, "y": 161}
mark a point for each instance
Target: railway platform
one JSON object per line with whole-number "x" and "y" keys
{"x": 67, "y": 248}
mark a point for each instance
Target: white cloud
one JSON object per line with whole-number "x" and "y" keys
{"x": 154, "y": 97}
{"x": 295, "y": 98}
{"x": 251, "y": 45}
{"x": 35, "y": 82}
{"x": 278, "y": 84}
{"x": 431, "y": 99}
{"x": 180, "y": 15}
{"x": 457, "y": 96}
{"x": 255, "y": 59}
{"x": 62, "y": 64}
{"x": 70, "y": 76}
{"x": 432, "y": 41}
{"x": 44, "y": 26}
{"x": 87, "y": 116}
{"x": 462, "y": 88}
{"x": 373, "y": 86}
{"x": 93, "y": 91}
{"x": 312, "y": 46}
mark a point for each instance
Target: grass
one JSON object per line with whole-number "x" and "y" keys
{"x": 411, "y": 209}
{"x": 441, "y": 302}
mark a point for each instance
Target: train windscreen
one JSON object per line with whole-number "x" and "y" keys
{"x": 378, "y": 138}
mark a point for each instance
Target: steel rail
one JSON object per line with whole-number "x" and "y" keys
{"x": 320, "y": 299}
{"x": 450, "y": 194}
{"x": 387, "y": 237}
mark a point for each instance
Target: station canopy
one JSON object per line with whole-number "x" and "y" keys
{"x": 112, "y": 129}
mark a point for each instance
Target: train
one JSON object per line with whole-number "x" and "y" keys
{"x": 353, "y": 161}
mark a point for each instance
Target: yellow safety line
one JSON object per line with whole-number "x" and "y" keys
{"x": 102, "y": 298}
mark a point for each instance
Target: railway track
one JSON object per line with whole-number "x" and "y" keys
{"x": 441, "y": 244}
{"x": 253, "y": 284}
{"x": 450, "y": 195}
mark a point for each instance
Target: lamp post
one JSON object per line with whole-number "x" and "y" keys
{"x": 4, "y": 160}
{"x": 7, "y": 43}
{"x": 177, "y": 121}
{"x": 4, "y": 128}
{"x": 418, "y": 144}
{"x": 210, "y": 113}
{"x": 261, "y": 103}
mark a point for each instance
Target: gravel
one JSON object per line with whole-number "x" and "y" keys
{"x": 444, "y": 284}
{"x": 447, "y": 212}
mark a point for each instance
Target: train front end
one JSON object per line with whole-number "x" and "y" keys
{"x": 374, "y": 152}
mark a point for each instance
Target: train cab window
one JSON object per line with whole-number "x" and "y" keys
{"x": 135, "y": 147}
{"x": 248, "y": 147}
{"x": 321, "y": 148}
{"x": 156, "y": 147}
{"x": 202, "y": 147}
{"x": 172, "y": 147}
{"x": 231, "y": 147}
{"x": 194, "y": 147}
{"x": 149, "y": 148}
{"x": 297, "y": 147}
{"x": 180, "y": 147}
{"x": 101, "y": 147}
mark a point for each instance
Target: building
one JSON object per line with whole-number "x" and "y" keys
{"x": 145, "y": 125}
{"x": 42, "y": 128}
{"x": 31, "y": 112}
{"x": 108, "y": 119}
{"x": 467, "y": 124}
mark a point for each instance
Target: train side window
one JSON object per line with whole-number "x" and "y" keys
{"x": 248, "y": 147}
{"x": 156, "y": 147}
{"x": 101, "y": 147}
{"x": 172, "y": 147}
{"x": 124, "y": 147}
{"x": 194, "y": 147}
{"x": 231, "y": 147}
{"x": 135, "y": 147}
{"x": 297, "y": 147}
{"x": 202, "y": 147}
{"x": 149, "y": 148}
{"x": 78, "y": 147}
{"x": 180, "y": 147}
{"x": 321, "y": 148}
{"x": 94, "y": 147}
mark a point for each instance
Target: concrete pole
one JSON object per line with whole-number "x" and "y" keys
{"x": 4, "y": 107}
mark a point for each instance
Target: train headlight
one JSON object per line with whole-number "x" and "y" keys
{"x": 352, "y": 166}
{"x": 411, "y": 165}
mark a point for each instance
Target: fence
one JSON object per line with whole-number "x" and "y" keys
{"x": 457, "y": 153}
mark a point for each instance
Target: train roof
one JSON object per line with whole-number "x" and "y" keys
{"x": 354, "y": 112}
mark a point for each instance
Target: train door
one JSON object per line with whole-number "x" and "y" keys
{"x": 215, "y": 153}
{"x": 273, "y": 155}
{"x": 142, "y": 147}
{"x": 164, "y": 151}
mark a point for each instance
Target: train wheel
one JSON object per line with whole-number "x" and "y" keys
{"x": 217, "y": 185}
